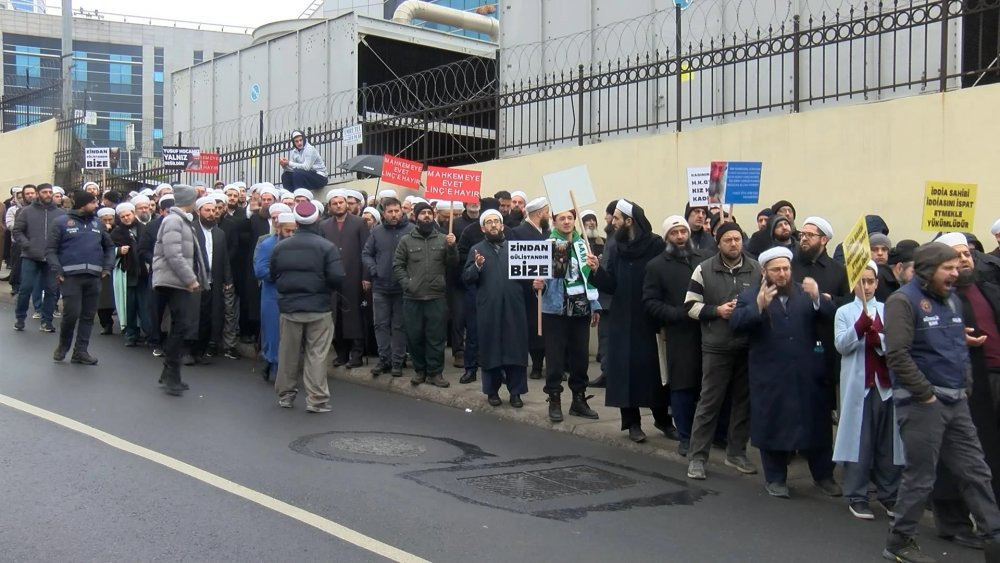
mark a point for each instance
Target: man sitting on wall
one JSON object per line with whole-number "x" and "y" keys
{"x": 304, "y": 167}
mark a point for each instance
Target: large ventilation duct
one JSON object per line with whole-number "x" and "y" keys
{"x": 419, "y": 10}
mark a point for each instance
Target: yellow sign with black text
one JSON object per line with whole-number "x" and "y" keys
{"x": 948, "y": 206}
{"x": 857, "y": 251}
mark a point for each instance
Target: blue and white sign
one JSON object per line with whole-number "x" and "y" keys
{"x": 254, "y": 92}
{"x": 742, "y": 182}
{"x": 683, "y": 4}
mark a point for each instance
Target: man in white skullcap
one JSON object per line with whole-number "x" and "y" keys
{"x": 307, "y": 272}
{"x": 130, "y": 278}
{"x": 270, "y": 317}
{"x": 302, "y": 194}
{"x": 348, "y": 233}
{"x": 386, "y": 194}
{"x": 813, "y": 261}
{"x": 789, "y": 398}
{"x": 372, "y": 217}
{"x": 534, "y": 227}
{"x": 518, "y": 205}
{"x": 212, "y": 312}
{"x": 355, "y": 200}
{"x": 500, "y": 305}
{"x": 143, "y": 208}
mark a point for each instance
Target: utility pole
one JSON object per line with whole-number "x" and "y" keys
{"x": 67, "y": 59}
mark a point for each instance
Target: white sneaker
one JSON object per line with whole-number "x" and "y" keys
{"x": 36, "y": 316}
{"x": 318, "y": 408}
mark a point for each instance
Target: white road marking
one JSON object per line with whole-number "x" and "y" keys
{"x": 330, "y": 527}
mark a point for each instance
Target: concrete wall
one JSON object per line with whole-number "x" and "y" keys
{"x": 838, "y": 163}
{"x": 35, "y": 147}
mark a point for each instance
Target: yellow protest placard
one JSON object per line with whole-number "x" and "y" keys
{"x": 948, "y": 206}
{"x": 857, "y": 251}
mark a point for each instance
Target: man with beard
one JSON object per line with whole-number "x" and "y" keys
{"x": 604, "y": 328}
{"x": 663, "y": 294}
{"x": 504, "y": 201}
{"x": 500, "y": 305}
{"x": 469, "y": 216}
{"x": 212, "y": 311}
{"x": 518, "y": 203}
{"x": 591, "y": 232}
{"x": 901, "y": 262}
{"x": 420, "y": 265}
{"x": 131, "y": 276}
{"x": 31, "y": 227}
{"x": 927, "y": 350}
{"x": 270, "y": 316}
{"x": 980, "y": 304}
{"x": 258, "y": 212}
{"x": 236, "y": 226}
{"x": 710, "y": 299}
{"x": 779, "y": 231}
{"x": 469, "y": 237}
{"x": 788, "y": 397}
{"x": 80, "y": 253}
{"x": 535, "y": 227}
{"x": 701, "y": 239}
{"x": 349, "y": 233}
{"x": 387, "y": 294}
{"x": 813, "y": 262}
{"x": 355, "y": 200}
{"x": 143, "y": 209}
{"x": 634, "y": 381}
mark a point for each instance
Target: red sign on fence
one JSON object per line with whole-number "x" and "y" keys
{"x": 401, "y": 172}
{"x": 208, "y": 163}
{"x": 453, "y": 184}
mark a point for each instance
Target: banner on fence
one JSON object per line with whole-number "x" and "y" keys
{"x": 401, "y": 172}
{"x": 351, "y": 135}
{"x": 948, "y": 206}
{"x": 208, "y": 163}
{"x": 529, "y": 260}
{"x": 97, "y": 158}
{"x": 453, "y": 184}
{"x": 181, "y": 158}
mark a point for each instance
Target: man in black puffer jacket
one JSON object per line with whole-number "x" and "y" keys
{"x": 306, "y": 270}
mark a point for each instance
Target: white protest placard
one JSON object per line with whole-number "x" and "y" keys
{"x": 558, "y": 185}
{"x": 96, "y": 158}
{"x": 351, "y": 135}
{"x": 529, "y": 259}
{"x": 698, "y": 177}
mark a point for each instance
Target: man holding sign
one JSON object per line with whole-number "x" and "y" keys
{"x": 500, "y": 304}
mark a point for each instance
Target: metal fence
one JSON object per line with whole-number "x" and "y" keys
{"x": 872, "y": 51}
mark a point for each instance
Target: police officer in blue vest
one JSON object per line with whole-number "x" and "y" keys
{"x": 79, "y": 253}
{"x": 927, "y": 352}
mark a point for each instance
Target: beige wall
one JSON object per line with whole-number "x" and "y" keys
{"x": 27, "y": 155}
{"x": 838, "y": 163}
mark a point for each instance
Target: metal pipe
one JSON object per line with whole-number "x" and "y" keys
{"x": 418, "y": 10}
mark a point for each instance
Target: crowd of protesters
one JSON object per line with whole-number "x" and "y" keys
{"x": 726, "y": 336}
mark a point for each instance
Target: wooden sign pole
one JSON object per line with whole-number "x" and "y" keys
{"x": 451, "y": 217}
{"x": 538, "y": 292}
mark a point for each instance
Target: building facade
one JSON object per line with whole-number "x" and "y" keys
{"x": 117, "y": 75}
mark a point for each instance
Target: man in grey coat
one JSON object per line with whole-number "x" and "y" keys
{"x": 179, "y": 276}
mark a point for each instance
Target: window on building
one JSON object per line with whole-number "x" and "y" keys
{"x": 158, "y": 76}
{"x": 120, "y": 74}
{"x": 157, "y": 133}
{"x": 199, "y": 56}
{"x": 117, "y": 121}
{"x": 27, "y": 64}
{"x": 79, "y": 66}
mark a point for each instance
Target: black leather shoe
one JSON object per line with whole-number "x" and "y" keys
{"x": 494, "y": 400}
{"x": 966, "y": 540}
{"x": 669, "y": 431}
{"x": 396, "y": 371}
{"x": 188, "y": 360}
{"x": 337, "y": 362}
{"x": 536, "y": 374}
{"x": 555, "y": 408}
{"x": 579, "y": 407}
{"x": 379, "y": 369}
{"x": 60, "y": 354}
{"x": 636, "y": 434}
{"x": 599, "y": 382}
{"x": 516, "y": 402}
{"x": 468, "y": 377}
{"x": 355, "y": 363}
{"x": 83, "y": 358}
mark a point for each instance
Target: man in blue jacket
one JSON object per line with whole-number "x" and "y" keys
{"x": 79, "y": 253}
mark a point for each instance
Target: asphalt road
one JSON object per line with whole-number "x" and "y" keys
{"x": 431, "y": 481}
